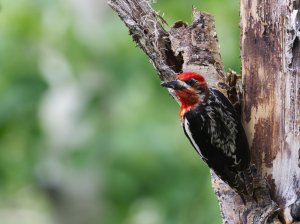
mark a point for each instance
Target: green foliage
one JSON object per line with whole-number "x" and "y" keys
{"x": 78, "y": 99}
{"x": 21, "y": 88}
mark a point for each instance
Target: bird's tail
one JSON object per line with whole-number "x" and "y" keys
{"x": 249, "y": 181}
{"x": 243, "y": 182}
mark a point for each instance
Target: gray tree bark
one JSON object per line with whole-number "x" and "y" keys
{"x": 270, "y": 51}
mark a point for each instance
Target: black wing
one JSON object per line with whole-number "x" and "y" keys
{"x": 242, "y": 150}
{"x": 215, "y": 131}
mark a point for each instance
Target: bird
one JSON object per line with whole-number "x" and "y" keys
{"x": 214, "y": 129}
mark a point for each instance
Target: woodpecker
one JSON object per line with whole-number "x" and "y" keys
{"x": 214, "y": 129}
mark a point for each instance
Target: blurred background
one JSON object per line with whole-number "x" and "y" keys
{"x": 87, "y": 135}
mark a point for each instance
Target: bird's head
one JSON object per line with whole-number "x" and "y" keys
{"x": 190, "y": 88}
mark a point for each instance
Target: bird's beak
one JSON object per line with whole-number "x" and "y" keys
{"x": 176, "y": 85}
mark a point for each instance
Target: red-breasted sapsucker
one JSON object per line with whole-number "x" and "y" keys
{"x": 214, "y": 129}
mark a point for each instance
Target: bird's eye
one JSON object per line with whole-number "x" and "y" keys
{"x": 190, "y": 82}
{"x": 201, "y": 90}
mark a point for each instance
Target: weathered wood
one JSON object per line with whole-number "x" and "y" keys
{"x": 184, "y": 48}
{"x": 270, "y": 66}
{"x": 146, "y": 28}
{"x": 198, "y": 46}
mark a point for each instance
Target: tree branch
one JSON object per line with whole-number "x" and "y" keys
{"x": 146, "y": 28}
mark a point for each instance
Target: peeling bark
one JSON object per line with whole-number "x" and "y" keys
{"x": 271, "y": 110}
{"x": 185, "y": 48}
{"x": 271, "y": 59}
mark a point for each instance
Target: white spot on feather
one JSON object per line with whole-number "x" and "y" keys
{"x": 188, "y": 132}
{"x": 224, "y": 139}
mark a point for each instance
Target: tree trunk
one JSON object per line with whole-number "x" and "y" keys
{"x": 271, "y": 109}
{"x": 270, "y": 67}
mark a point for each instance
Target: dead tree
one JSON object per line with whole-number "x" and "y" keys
{"x": 269, "y": 98}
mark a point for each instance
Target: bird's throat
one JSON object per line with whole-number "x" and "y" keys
{"x": 184, "y": 109}
{"x": 189, "y": 100}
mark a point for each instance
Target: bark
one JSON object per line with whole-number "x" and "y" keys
{"x": 270, "y": 58}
